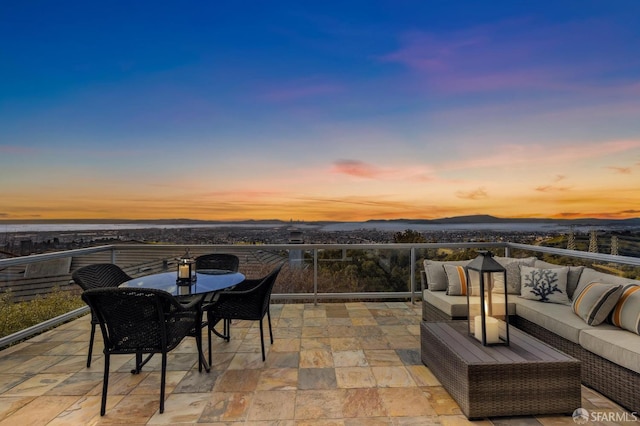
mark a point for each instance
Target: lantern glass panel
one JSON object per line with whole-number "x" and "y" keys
{"x": 487, "y": 319}
{"x": 186, "y": 269}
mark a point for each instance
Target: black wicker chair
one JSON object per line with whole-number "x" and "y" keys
{"x": 99, "y": 275}
{"x": 140, "y": 321}
{"x": 223, "y": 261}
{"x": 248, "y": 300}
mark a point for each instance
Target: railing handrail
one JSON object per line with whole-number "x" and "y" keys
{"x": 314, "y": 249}
{"x": 599, "y": 257}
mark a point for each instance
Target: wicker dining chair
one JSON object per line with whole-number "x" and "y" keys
{"x": 249, "y": 300}
{"x": 98, "y": 275}
{"x": 140, "y": 321}
{"x": 223, "y": 261}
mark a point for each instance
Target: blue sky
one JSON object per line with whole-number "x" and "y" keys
{"x": 319, "y": 110}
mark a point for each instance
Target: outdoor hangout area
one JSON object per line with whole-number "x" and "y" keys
{"x": 355, "y": 363}
{"x": 215, "y": 335}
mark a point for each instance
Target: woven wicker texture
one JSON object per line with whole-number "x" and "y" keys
{"x": 614, "y": 381}
{"x": 98, "y": 275}
{"x": 517, "y": 382}
{"x": 223, "y": 261}
{"x": 249, "y": 300}
{"x": 140, "y": 321}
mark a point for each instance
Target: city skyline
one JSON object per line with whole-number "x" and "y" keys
{"x": 345, "y": 111}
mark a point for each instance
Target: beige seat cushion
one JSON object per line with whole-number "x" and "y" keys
{"x": 456, "y": 306}
{"x": 618, "y": 346}
{"x": 559, "y": 319}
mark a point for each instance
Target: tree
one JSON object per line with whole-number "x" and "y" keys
{"x": 409, "y": 236}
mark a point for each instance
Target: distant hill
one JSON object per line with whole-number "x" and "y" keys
{"x": 471, "y": 219}
{"x": 493, "y": 219}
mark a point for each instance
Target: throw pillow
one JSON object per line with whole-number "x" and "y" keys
{"x": 626, "y": 313}
{"x": 512, "y": 267}
{"x": 456, "y": 280}
{"x": 594, "y": 302}
{"x": 545, "y": 285}
{"x": 436, "y": 277}
{"x": 572, "y": 280}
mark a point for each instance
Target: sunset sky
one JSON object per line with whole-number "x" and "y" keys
{"x": 327, "y": 110}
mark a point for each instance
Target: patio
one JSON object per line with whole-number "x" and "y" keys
{"x": 331, "y": 364}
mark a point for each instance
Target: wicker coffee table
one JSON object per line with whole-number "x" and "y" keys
{"x": 527, "y": 377}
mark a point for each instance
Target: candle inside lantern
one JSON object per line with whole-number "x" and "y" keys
{"x": 183, "y": 271}
{"x": 493, "y": 335}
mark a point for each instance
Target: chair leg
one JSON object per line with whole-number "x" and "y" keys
{"x": 199, "y": 345}
{"x": 163, "y": 380}
{"x": 209, "y": 338}
{"x": 140, "y": 363}
{"x": 270, "y": 331}
{"x": 105, "y": 385}
{"x": 262, "y": 340}
{"x": 93, "y": 333}
{"x": 227, "y": 329}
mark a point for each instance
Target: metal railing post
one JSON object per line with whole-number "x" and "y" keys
{"x": 413, "y": 275}
{"x": 315, "y": 276}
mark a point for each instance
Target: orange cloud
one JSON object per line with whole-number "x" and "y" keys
{"x": 368, "y": 171}
{"x": 477, "y": 194}
{"x": 621, "y": 170}
{"x": 549, "y": 188}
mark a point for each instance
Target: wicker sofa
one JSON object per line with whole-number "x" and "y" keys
{"x": 610, "y": 355}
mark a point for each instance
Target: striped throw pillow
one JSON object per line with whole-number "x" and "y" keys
{"x": 626, "y": 313}
{"x": 456, "y": 279}
{"x": 594, "y": 302}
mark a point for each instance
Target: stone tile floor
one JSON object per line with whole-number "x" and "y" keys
{"x": 331, "y": 364}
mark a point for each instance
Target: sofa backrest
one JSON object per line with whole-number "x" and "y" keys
{"x": 590, "y": 275}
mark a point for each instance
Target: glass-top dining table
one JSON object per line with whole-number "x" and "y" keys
{"x": 207, "y": 281}
{"x": 206, "y": 284}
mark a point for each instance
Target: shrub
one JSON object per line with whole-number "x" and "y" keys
{"x": 20, "y": 315}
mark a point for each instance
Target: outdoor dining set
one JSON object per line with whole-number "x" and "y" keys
{"x": 153, "y": 314}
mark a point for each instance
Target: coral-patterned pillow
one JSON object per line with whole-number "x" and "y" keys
{"x": 544, "y": 285}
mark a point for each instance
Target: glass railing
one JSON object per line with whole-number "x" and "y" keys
{"x": 312, "y": 272}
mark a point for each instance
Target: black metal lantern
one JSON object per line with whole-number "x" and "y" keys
{"x": 488, "y": 319}
{"x": 186, "y": 269}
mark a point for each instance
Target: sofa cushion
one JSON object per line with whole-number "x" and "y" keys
{"x": 512, "y": 267}
{"x": 590, "y": 275}
{"x": 626, "y": 313}
{"x": 456, "y": 306}
{"x": 556, "y": 318}
{"x": 436, "y": 277}
{"x": 572, "y": 279}
{"x": 594, "y": 302}
{"x": 545, "y": 285}
{"x": 616, "y": 345}
{"x": 456, "y": 280}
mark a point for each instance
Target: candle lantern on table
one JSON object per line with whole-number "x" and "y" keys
{"x": 186, "y": 269}
{"x": 486, "y": 309}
